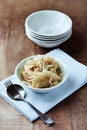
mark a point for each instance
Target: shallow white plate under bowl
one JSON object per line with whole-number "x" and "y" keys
{"x": 48, "y": 23}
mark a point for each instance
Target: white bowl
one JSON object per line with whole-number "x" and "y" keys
{"x": 51, "y": 43}
{"x": 28, "y": 33}
{"x": 48, "y": 23}
{"x": 19, "y": 69}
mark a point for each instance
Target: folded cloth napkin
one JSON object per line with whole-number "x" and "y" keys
{"x": 46, "y": 101}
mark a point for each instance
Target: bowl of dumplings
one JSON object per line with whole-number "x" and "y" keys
{"x": 41, "y": 73}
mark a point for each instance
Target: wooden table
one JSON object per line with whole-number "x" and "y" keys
{"x": 70, "y": 114}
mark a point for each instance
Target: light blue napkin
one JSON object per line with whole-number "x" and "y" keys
{"x": 44, "y": 102}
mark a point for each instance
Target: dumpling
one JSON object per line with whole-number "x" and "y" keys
{"x": 45, "y": 79}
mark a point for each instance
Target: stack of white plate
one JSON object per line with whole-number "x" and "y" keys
{"x": 48, "y": 28}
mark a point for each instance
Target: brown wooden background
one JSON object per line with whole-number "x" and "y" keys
{"x": 71, "y": 114}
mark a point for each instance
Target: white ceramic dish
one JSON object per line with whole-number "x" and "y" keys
{"x": 48, "y": 23}
{"x": 19, "y": 69}
{"x": 49, "y": 44}
{"x": 47, "y": 38}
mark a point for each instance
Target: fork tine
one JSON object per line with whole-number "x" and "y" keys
{"x": 10, "y": 89}
{"x": 8, "y": 83}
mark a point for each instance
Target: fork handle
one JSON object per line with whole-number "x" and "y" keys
{"x": 42, "y": 116}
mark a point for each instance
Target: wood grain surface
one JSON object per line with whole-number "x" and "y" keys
{"x": 70, "y": 114}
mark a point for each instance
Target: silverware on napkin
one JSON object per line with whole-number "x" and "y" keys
{"x": 16, "y": 92}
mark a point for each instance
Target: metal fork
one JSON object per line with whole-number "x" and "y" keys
{"x": 14, "y": 91}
